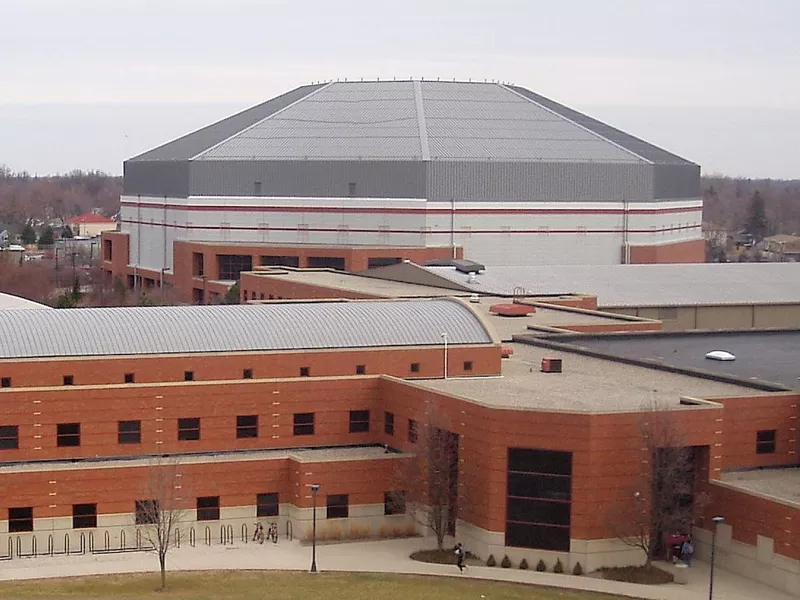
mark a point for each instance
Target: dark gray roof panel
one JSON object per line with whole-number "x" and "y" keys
{"x": 188, "y": 146}
{"x": 240, "y": 328}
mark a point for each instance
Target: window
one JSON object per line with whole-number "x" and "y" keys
{"x": 374, "y": 262}
{"x": 304, "y": 423}
{"x": 361, "y": 369}
{"x": 765, "y": 441}
{"x": 20, "y": 519}
{"x": 198, "y": 264}
{"x": 147, "y": 512}
{"x": 247, "y": 426}
{"x": 468, "y": 365}
{"x": 305, "y": 371}
{"x": 338, "y": 506}
{"x": 9, "y": 437}
{"x": 256, "y": 188}
{"x": 5, "y": 382}
{"x": 189, "y": 429}
{"x": 208, "y": 508}
{"x": 129, "y": 378}
{"x": 188, "y": 375}
{"x": 351, "y": 189}
{"x": 326, "y": 262}
{"x": 129, "y": 432}
{"x": 231, "y": 265}
{"x": 247, "y": 374}
{"x": 267, "y": 505}
{"x": 280, "y": 261}
{"x": 69, "y": 380}
{"x": 68, "y": 434}
{"x": 413, "y": 431}
{"x": 359, "y": 421}
{"x": 388, "y": 423}
{"x": 84, "y": 516}
{"x": 108, "y": 250}
{"x": 394, "y": 503}
{"x": 415, "y": 367}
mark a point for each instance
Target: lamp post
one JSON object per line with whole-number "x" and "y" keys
{"x": 717, "y": 521}
{"x": 314, "y": 490}
{"x": 444, "y": 340}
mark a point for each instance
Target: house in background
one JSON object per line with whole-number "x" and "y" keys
{"x": 91, "y": 225}
{"x": 782, "y": 248}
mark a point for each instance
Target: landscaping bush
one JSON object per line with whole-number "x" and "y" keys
{"x": 524, "y": 564}
{"x": 558, "y": 567}
{"x": 491, "y": 562}
{"x": 541, "y": 566}
{"x": 647, "y": 575}
{"x": 578, "y": 569}
{"x": 506, "y": 563}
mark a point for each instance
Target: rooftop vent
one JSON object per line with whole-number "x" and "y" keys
{"x": 551, "y": 365}
{"x": 511, "y": 310}
{"x": 467, "y": 266}
{"x": 475, "y": 299}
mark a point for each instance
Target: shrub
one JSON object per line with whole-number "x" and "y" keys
{"x": 541, "y": 566}
{"x": 558, "y": 567}
{"x": 578, "y": 569}
{"x": 524, "y": 564}
{"x": 491, "y": 562}
{"x": 506, "y": 562}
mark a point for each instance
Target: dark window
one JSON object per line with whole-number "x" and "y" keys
{"x": 388, "y": 423}
{"x": 198, "y": 264}
{"x": 84, "y": 516}
{"x": 305, "y": 372}
{"x": 108, "y": 250}
{"x": 247, "y": 426}
{"x": 208, "y": 508}
{"x": 326, "y": 262}
{"x": 351, "y": 189}
{"x": 338, "y": 506}
{"x": 20, "y": 519}
{"x": 413, "y": 431}
{"x": 267, "y": 505}
{"x": 359, "y": 421}
{"x": 9, "y": 437}
{"x": 545, "y": 537}
{"x": 129, "y": 378}
{"x": 304, "y": 423}
{"x": 69, "y": 380}
{"x": 394, "y": 503}
{"x": 129, "y": 432}
{"x": 468, "y": 365}
{"x": 280, "y": 261}
{"x": 188, "y": 375}
{"x": 375, "y": 262}
{"x": 415, "y": 367}
{"x": 231, "y": 265}
{"x": 526, "y": 460}
{"x": 765, "y": 441}
{"x": 68, "y": 434}
{"x": 189, "y": 429}
{"x": 5, "y": 382}
{"x": 361, "y": 369}
{"x": 256, "y": 188}
{"x": 247, "y": 374}
{"x": 147, "y": 512}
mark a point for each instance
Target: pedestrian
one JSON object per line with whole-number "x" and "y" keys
{"x": 687, "y": 550}
{"x": 460, "y": 556}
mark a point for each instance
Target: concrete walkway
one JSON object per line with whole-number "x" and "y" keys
{"x": 378, "y": 557}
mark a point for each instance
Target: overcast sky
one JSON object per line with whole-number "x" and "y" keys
{"x": 89, "y": 83}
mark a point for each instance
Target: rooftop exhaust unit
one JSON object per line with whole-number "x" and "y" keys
{"x": 551, "y": 365}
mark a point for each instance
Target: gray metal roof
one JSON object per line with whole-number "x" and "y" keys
{"x": 11, "y": 302}
{"x": 239, "y": 328}
{"x": 643, "y": 285}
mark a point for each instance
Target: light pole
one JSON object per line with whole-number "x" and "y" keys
{"x": 314, "y": 490}
{"x": 717, "y": 521}
{"x": 444, "y": 340}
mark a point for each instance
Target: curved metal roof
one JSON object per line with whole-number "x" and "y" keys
{"x": 238, "y": 328}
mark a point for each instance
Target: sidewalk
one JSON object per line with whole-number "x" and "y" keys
{"x": 379, "y": 557}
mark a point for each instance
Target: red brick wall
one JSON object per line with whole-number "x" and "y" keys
{"x": 268, "y": 288}
{"x": 679, "y": 252}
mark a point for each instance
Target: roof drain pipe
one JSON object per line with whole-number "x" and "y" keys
{"x": 444, "y": 341}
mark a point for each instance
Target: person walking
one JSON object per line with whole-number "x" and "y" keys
{"x": 460, "y": 557}
{"x": 687, "y": 550}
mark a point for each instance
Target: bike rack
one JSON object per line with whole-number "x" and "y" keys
{"x": 289, "y": 530}
{"x": 207, "y": 537}
{"x": 245, "y": 537}
{"x": 10, "y": 554}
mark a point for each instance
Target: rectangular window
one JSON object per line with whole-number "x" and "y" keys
{"x": 267, "y": 505}
{"x": 68, "y": 434}
{"x": 247, "y": 374}
{"x": 374, "y": 263}
{"x": 231, "y": 265}
{"x": 413, "y": 431}
{"x": 338, "y": 506}
{"x": 415, "y": 367}
{"x": 129, "y": 432}
{"x": 147, "y": 512}
{"x": 5, "y": 382}
{"x": 247, "y": 426}
{"x": 108, "y": 250}
{"x": 20, "y": 519}
{"x": 361, "y": 369}
{"x": 189, "y": 429}
{"x": 198, "y": 264}
{"x": 468, "y": 365}
{"x": 765, "y": 441}
{"x": 129, "y": 378}
{"x": 394, "y": 503}
{"x": 359, "y": 421}
{"x": 84, "y": 516}
{"x": 188, "y": 375}
{"x": 388, "y": 423}
{"x": 351, "y": 189}
{"x": 69, "y": 380}
{"x": 280, "y": 261}
{"x": 208, "y": 508}
{"x": 326, "y": 262}
{"x": 9, "y": 437}
{"x": 305, "y": 372}
{"x": 304, "y": 423}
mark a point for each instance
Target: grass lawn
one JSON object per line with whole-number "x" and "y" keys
{"x": 282, "y": 585}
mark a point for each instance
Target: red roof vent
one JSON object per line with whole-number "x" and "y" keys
{"x": 512, "y": 310}
{"x": 506, "y": 351}
{"x": 551, "y": 365}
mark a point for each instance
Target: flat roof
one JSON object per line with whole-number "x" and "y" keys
{"x": 11, "y": 302}
{"x": 768, "y": 356}
{"x": 781, "y": 484}
{"x": 586, "y": 385}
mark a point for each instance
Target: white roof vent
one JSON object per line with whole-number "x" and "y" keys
{"x": 475, "y": 298}
{"x": 720, "y": 355}
{"x": 472, "y": 278}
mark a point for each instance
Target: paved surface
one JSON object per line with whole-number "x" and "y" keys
{"x": 379, "y": 557}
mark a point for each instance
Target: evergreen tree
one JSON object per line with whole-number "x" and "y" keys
{"x": 67, "y": 233}
{"x": 28, "y": 235}
{"x": 757, "y": 224}
{"x": 47, "y": 238}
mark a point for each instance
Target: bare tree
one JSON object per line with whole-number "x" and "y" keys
{"x": 660, "y": 499}
{"x": 163, "y": 510}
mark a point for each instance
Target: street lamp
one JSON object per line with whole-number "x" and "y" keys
{"x": 717, "y": 521}
{"x": 314, "y": 490}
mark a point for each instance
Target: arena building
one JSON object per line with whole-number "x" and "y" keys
{"x": 397, "y": 170}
